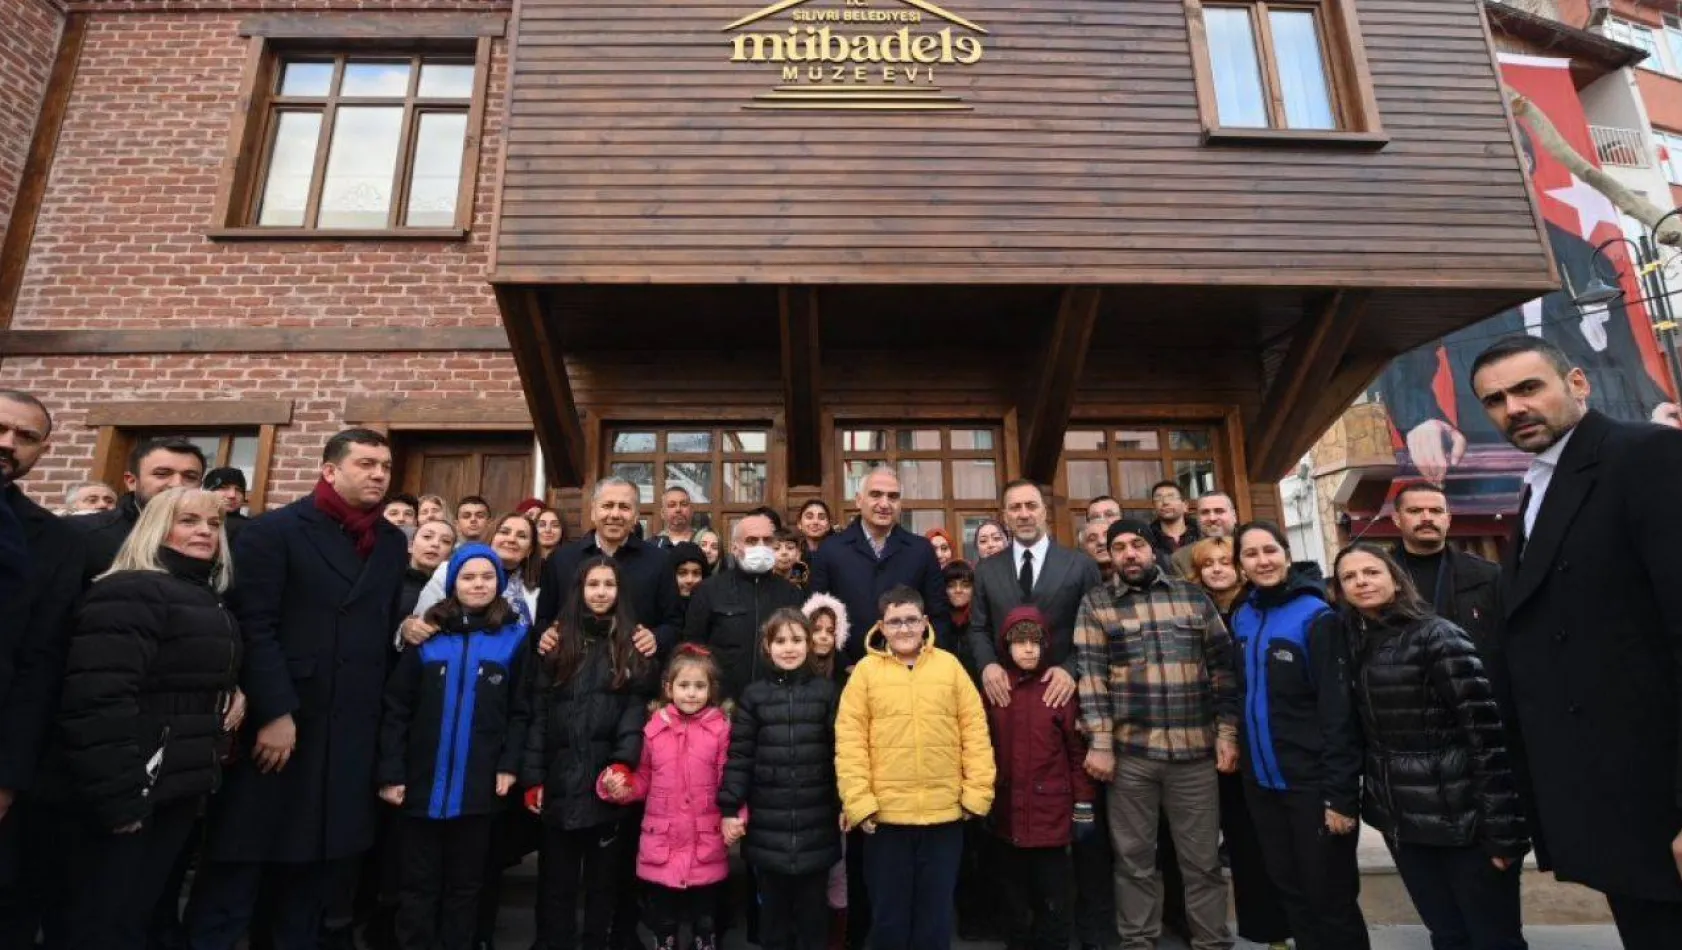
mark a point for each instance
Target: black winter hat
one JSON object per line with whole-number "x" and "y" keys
{"x": 220, "y": 477}
{"x": 1125, "y": 526}
{"x": 688, "y": 552}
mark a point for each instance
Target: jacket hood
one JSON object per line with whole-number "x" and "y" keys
{"x": 1026, "y": 613}
{"x": 688, "y": 552}
{"x": 468, "y": 552}
{"x": 876, "y": 640}
{"x": 1302, "y": 577}
{"x": 834, "y": 606}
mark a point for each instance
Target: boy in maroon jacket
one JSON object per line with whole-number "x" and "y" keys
{"x": 1042, "y": 795}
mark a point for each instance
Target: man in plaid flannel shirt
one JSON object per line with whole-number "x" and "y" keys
{"x": 1160, "y": 699}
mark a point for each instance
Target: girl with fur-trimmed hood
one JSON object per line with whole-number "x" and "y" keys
{"x": 828, "y": 617}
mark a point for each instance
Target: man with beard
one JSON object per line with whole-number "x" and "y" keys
{"x": 154, "y": 465}
{"x": 1588, "y": 664}
{"x": 40, "y": 579}
{"x": 1457, "y": 585}
{"x": 1217, "y": 517}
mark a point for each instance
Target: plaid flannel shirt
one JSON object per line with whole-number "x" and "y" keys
{"x": 1156, "y": 675}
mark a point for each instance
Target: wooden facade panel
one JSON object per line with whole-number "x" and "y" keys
{"x": 631, "y": 158}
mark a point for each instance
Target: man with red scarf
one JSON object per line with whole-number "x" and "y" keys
{"x": 316, "y": 593}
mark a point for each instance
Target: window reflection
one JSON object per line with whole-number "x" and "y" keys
{"x": 435, "y": 178}
{"x": 361, "y": 166}
{"x": 1239, "y": 98}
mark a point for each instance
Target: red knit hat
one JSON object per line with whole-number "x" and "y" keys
{"x": 528, "y": 505}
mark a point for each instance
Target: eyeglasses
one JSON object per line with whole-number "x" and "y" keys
{"x": 913, "y": 624}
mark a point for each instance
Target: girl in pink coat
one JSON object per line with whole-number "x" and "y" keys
{"x": 683, "y": 852}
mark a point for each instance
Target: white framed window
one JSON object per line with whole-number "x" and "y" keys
{"x": 1659, "y": 59}
{"x": 1670, "y": 154}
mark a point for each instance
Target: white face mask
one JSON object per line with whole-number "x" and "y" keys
{"x": 758, "y": 559}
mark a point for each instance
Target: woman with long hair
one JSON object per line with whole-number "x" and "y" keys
{"x": 1437, "y": 781}
{"x": 991, "y": 537}
{"x": 1261, "y": 917}
{"x": 551, "y": 532}
{"x": 815, "y": 523}
{"x": 1300, "y": 742}
{"x": 149, "y": 700}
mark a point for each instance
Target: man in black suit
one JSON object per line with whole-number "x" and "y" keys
{"x": 1588, "y": 661}
{"x": 1036, "y": 570}
{"x": 318, "y": 587}
{"x": 40, "y": 579}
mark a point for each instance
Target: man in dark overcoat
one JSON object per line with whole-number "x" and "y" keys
{"x": 317, "y": 585}
{"x": 40, "y": 581}
{"x": 1588, "y": 663}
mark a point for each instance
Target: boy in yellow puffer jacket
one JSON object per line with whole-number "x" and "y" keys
{"x": 913, "y": 761}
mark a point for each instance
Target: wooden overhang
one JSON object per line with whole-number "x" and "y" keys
{"x": 1592, "y": 56}
{"x": 1069, "y": 227}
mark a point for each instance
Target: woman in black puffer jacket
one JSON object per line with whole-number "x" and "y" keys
{"x": 1437, "y": 782}
{"x": 149, "y": 695}
{"x": 782, "y": 767}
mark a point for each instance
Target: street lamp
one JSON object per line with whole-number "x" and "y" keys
{"x": 1600, "y": 293}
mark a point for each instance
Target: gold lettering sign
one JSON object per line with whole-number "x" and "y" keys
{"x": 855, "y": 56}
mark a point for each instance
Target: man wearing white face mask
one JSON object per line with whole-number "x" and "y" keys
{"x": 730, "y": 607}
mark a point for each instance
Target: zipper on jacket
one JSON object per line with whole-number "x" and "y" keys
{"x": 155, "y": 763}
{"x": 1255, "y": 661}
{"x": 450, "y": 750}
{"x": 793, "y": 834}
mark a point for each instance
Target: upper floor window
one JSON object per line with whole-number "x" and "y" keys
{"x": 365, "y": 143}
{"x": 375, "y": 135}
{"x": 1660, "y": 58}
{"x": 1291, "y": 66}
{"x": 1670, "y": 155}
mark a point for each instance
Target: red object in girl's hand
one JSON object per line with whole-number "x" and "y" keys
{"x": 534, "y": 799}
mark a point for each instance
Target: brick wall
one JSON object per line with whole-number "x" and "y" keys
{"x": 120, "y": 245}
{"x": 28, "y": 39}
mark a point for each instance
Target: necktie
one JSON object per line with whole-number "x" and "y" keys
{"x": 1026, "y": 578}
{"x": 1523, "y": 515}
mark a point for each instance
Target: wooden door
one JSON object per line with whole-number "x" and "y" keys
{"x": 497, "y": 466}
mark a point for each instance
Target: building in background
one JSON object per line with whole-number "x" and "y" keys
{"x": 750, "y": 249}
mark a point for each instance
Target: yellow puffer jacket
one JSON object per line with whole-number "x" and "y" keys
{"x": 911, "y": 743}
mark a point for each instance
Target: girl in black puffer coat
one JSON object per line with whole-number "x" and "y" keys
{"x": 782, "y": 767}
{"x": 149, "y": 694}
{"x": 1437, "y": 782}
{"x": 588, "y": 712}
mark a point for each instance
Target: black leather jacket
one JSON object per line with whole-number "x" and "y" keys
{"x": 1436, "y": 765}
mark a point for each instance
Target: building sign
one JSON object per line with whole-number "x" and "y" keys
{"x": 848, "y": 54}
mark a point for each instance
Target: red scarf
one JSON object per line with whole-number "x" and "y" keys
{"x": 359, "y": 524}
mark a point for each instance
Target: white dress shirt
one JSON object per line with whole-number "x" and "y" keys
{"x": 1039, "y": 548}
{"x": 1538, "y": 477}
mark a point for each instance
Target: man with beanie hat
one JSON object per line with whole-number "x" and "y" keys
{"x": 1041, "y": 792}
{"x": 229, "y": 483}
{"x": 1159, "y": 698}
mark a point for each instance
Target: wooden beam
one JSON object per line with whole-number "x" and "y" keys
{"x": 797, "y": 317}
{"x": 543, "y": 374}
{"x": 1049, "y": 394}
{"x": 38, "y": 165}
{"x": 221, "y": 413}
{"x": 405, "y": 411}
{"x": 251, "y": 340}
{"x": 1282, "y": 432}
{"x": 374, "y": 26}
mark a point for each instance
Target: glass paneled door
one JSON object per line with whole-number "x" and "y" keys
{"x": 1124, "y": 461}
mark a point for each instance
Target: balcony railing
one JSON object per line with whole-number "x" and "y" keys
{"x": 1620, "y": 147}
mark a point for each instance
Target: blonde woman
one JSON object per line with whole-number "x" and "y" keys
{"x": 149, "y": 698}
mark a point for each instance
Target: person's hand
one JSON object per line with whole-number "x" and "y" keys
{"x": 1668, "y": 414}
{"x": 843, "y": 823}
{"x": 275, "y": 743}
{"x": 393, "y": 794}
{"x": 128, "y": 829}
{"x": 613, "y": 782}
{"x": 1100, "y": 764}
{"x": 996, "y": 683}
{"x": 551, "y": 639}
{"x": 504, "y": 782}
{"x": 1501, "y": 864}
{"x": 235, "y": 716}
{"x": 733, "y": 830}
{"x": 1060, "y": 686}
{"x": 868, "y": 826}
{"x": 1339, "y": 824}
{"x": 1430, "y": 456}
{"x": 642, "y": 640}
{"x": 1676, "y": 852}
{"x": 1226, "y": 756}
{"x": 416, "y": 631}
{"x": 6, "y": 796}
{"x": 534, "y": 799}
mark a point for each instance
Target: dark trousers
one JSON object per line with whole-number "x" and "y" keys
{"x": 1315, "y": 871}
{"x": 1465, "y": 902}
{"x": 1037, "y": 896}
{"x": 443, "y": 863}
{"x": 912, "y": 872}
{"x": 793, "y": 910}
{"x": 1261, "y": 915}
{"x": 667, "y": 909}
{"x": 626, "y": 910}
{"x": 33, "y": 873}
{"x": 858, "y": 893}
{"x": 1646, "y": 924}
{"x": 590, "y": 858}
{"x": 1094, "y": 867}
{"x": 979, "y": 894}
{"x": 115, "y": 879}
{"x": 219, "y": 912}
